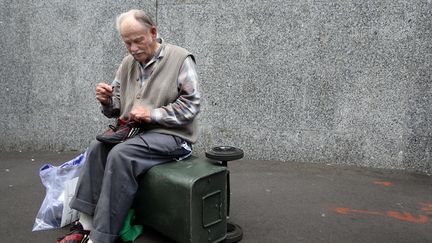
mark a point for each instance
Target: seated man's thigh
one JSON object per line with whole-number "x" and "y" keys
{"x": 152, "y": 145}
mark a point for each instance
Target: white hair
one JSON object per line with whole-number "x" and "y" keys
{"x": 139, "y": 15}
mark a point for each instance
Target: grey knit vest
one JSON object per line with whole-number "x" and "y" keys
{"x": 159, "y": 90}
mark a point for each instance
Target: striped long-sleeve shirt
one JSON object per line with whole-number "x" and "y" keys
{"x": 182, "y": 110}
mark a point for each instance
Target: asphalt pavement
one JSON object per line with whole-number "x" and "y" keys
{"x": 272, "y": 201}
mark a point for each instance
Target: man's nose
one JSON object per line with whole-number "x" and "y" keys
{"x": 134, "y": 47}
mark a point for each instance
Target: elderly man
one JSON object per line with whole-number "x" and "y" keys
{"x": 155, "y": 89}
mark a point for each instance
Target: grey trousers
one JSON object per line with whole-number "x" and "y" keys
{"x": 108, "y": 182}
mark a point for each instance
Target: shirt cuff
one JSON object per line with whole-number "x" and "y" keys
{"x": 107, "y": 109}
{"x": 156, "y": 116}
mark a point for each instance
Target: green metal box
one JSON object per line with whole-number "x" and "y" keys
{"x": 185, "y": 200}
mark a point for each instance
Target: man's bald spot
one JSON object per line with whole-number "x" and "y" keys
{"x": 138, "y": 15}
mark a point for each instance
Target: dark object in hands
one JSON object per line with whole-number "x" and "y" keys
{"x": 119, "y": 133}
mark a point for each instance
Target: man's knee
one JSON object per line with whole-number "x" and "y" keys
{"x": 117, "y": 153}
{"x": 95, "y": 145}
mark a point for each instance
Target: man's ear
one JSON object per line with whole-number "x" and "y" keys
{"x": 153, "y": 32}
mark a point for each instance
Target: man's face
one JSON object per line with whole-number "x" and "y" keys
{"x": 139, "y": 39}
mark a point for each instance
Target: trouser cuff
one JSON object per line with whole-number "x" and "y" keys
{"x": 82, "y": 206}
{"x": 99, "y": 237}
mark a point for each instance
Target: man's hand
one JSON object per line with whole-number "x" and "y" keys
{"x": 140, "y": 114}
{"x": 104, "y": 92}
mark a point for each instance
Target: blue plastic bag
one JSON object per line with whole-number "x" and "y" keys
{"x": 54, "y": 178}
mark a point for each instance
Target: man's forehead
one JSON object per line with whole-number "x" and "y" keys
{"x": 131, "y": 25}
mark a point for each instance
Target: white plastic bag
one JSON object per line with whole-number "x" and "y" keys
{"x": 56, "y": 179}
{"x": 69, "y": 215}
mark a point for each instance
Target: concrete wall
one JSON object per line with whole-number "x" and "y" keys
{"x": 53, "y": 54}
{"x": 327, "y": 81}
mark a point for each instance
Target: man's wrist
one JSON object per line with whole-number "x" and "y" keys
{"x": 109, "y": 101}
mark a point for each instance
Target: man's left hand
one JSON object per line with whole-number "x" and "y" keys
{"x": 141, "y": 114}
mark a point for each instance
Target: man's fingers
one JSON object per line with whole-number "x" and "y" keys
{"x": 140, "y": 114}
{"x": 103, "y": 99}
{"x": 104, "y": 92}
{"x": 104, "y": 89}
{"x": 132, "y": 115}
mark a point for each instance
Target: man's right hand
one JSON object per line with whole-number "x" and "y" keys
{"x": 104, "y": 92}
